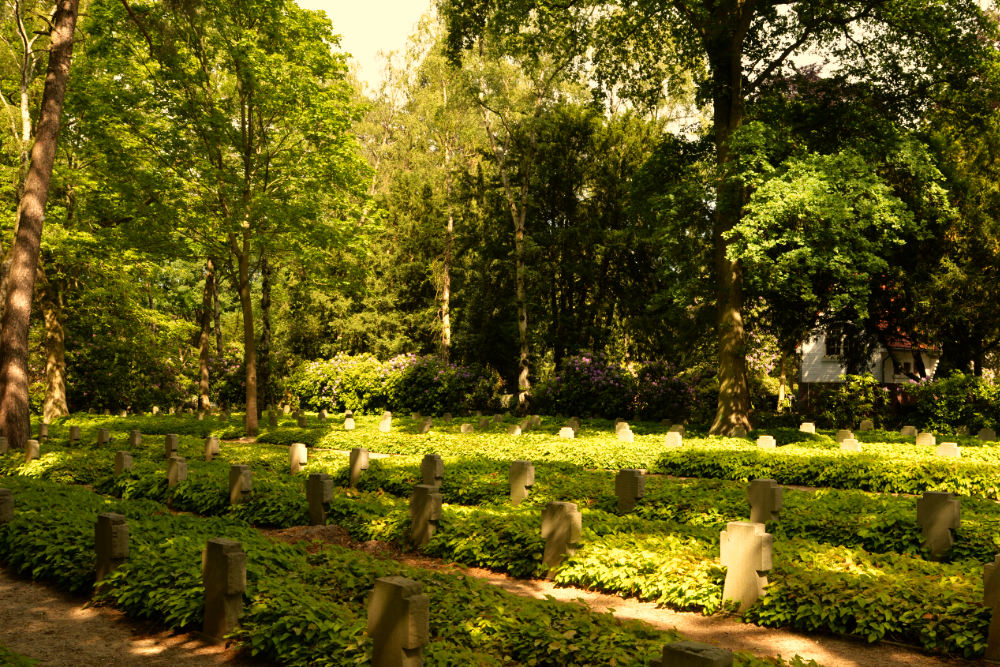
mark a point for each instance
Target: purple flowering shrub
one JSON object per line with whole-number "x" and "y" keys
{"x": 587, "y": 385}
{"x": 662, "y": 394}
{"x": 346, "y": 382}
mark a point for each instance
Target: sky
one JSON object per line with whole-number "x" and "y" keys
{"x": 369, "y": 26}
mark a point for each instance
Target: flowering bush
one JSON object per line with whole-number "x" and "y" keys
{"x": 661, "y": 393}
{"x": 587, "y": 385}
{"x": 847, "y": 403}
{"x": 953, "y": 401}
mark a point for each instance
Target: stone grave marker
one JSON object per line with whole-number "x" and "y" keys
{"x": 483, "y": 423}
{"x": 6, "y": 505}
{"x": 466, "y": 429}
{"x": 301, "y": 421}
{"x": 515, "y": 429}
{"x": 843, "y": 434}
{"x": 43, "y": 431}
{"x": 850, "y": 445}
{"x": 322, "y": 416}
{"x": 123, "y": 462}
{"x": 807, "y": 427}
{"x": 677, "y": 428}
{"x": 562, "y": 526}
{"x": 398, "y": 622}
{"x": 170, "y": 445}
{"x": 962, "y": 430}
{"x": 621, "y": 425}
{"x": 177, "y": 470}
{"x": 348, "y": 413}
{"x": 991, "y": 596}
{"x": 359, "y": 463}
{"x": 110, "y": 542}
{"x": 156, "y": 410}
{"x": 425, "y": 425}
{"x": 938, "y": 514}
{"x": 866, "y": 425}
{"x": 739, "y": 432}
{"x": 948, "y": 449}
{"x": 745, "y": 550}
{"x": 349, "y": 423}
{"x": 522, "y": 478}
{"x": 297, "y": 457}
{"x": 987, "y": 435}
{"x": 319, "y": 492}
{"x": 123, "y": 413}
{"x": 172, "y": 410}
{"x": 224, "y": 575}
{"x": 765, "y": 497}
{"x": 416, "y": 416}
{"x": 385, "y": 425}
{"x": 566, "y": 432}
{"x": 536, "y": 421}
{"x": 432, "y": 470}
{"x": 240, "y": 483}
{"x": 673, "y": 439}
{"x": 926, "y": 439}
{"x": 103, "y": 437}
{"x": 74, "y": 434}
{"x": 286, "y": 409}
{"x": 693, "y": 654}
{"x": 766, "y": 442}
{"x": 201, "y": 415}
{"x": 31, "y": 451}
{"x": 446, "y": 418}
{"x": 908, "y": 430}
{"x": 425, "y": 512}
{"x": 630, "y": 485}
{"x": 574, "y": 423}
{"x": 212, "y": 449}
{"x": 498, "y": 418}
{"x": 626, "y": 435}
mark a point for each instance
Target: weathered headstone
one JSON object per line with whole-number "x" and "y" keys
{"x": 766, "y": 442}
{"x": 962, "y": 430}
{"x": 432, "y": 470}
{"x": 515, "y": 429}
{"x": 739, "y": 432}
{"x": 991, "y": 596}
{"x": 866, "y": 425}
{"x": 321, "y": 416}
{"x": 224, "y": 575}
{"x": 123, "y": 413}
{"x": 908, "y": 430}
{"x": 567, "y": 432}
{"x": 621, "y": 425}
{"x": 103, "y": 437}
{"x": 498, "y": 418}
{"x": 745, "y": 550}
{"x": 272, "y": 418}
{"x": 123, "y": 462}
{"x": 626, "y": 435}
{"x": 522, "y": 478}
{"x": 416, "y": 416}
{"x": 673, "y": 439}
{"x": 562, "y": 526}
{"x": 987, "y": 435}
{"x": 446, "y": 418}
{"x": 286, "y": 409}
{"x": 110, "y": 542}
{"x": 938, "y": 514}
{"x": 301, "y": 421}
{"x": 398, "y": 622}
{"x": 349, "y": 424}
{"x": 212, "y": 448}
{"x": 6, "y": 505}
{"x": 74, "y": 434}
{"x": 466, "y": 429}
{"x": 807, "y": 427}
{"x": 693, "y": 654}
{"x": 385, "y": 425}
{"x": 359, "y": 463}
{"x": 201, "y": 415}
{"x": 574, "y": 423}
{"x": 850, "y": 445}
{"x": 677, "y": 428}
{"x": 844, "y": 434}
{"x": 156, "y": 410}
{"x": 536, "y": 421}
{"x": 425, "y": 425}
{"x": 170, "y": 445}
{"x": 483, "y": 424}
{"x": 948, "y": 449}
{"x": 630, "y": 485}
{"x": 765, "y": 497}
{"x": 926, "y": 439}
{"x": 297, "y": 457}
{"x": 31, "y": 451}
{"x": 177, "y": 470}
{"x": 319, "y": 492}
{"x": 425, "y": 512}
{"x": 43, "y": 431}
{"x": 240, "y": 483}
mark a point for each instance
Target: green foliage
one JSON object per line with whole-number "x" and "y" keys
{"x": 959, "y": 399}
{"x": 845, "y": 404}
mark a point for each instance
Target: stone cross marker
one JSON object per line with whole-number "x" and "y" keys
{"x": 745, "y": 550}
{"x": 240, "y": 483}
{"x": 466, "y": 428}
{"x": 349, "y": 423}
{"x": 987, "y": 435}
{"x": 301, "y": 421}
{"x": 425, "y": 425}
{"x": 224, "y": 574}
{"x": 177, "y": 471}
{"x": 562, "y": 526}
{"x": 123, "y": 462}
{"x": 866, "y": 425}
{"x": 272, "y": 418}
{"x": 31, "y": 451}
{"x": 425, "y": 512}
{"x": 843, "y": 434}
{"x": 850, "y": 445}
{"x": 212, "y": 448}
{"x": 673, "y": 439}
{"x": 766, "y": 442}
{"x": 766, "y": 499}
{"x": 170, "y": 445}
{"x": 991, "y": 596}
{"x": 938, "y": 514}
{"x": 483, "y": 424}
{"x": 567, "y": 432}
{"x": 74, "y": 434}
{"x": 522, "y": 478}
{"x": 321, "y": 416}
{"x": 432, "y": 470}
{"x": 111, "y": 542}
{"x": 134, "y": 438}
{"x": 103, "y": 436}
{"x": 927, "y": 439}
{"x": 385, "y": 425}
{"x": 948, "y": 449}
{"x": 6, "y": 505}
{"x": 359, "y": 463}
{"x": 319, "y": 491}
{"x": 515, "y": 429}
{"x": 630, "y": 485}
{"x": 398, "y": 622}
{"x": 43, "y": 431}
{"x": 626, "y": 435}
{"x": 693, "y": 654}
{"x": 297, "y": 456}
{"x": 807, "y": 427}
{"x": 908, "y": 430}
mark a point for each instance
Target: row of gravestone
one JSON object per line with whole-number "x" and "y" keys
{"x": 848, "y": 443}
{"x": 923, "y": 438}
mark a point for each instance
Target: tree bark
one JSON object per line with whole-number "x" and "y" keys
{"x": 242, "y": 251}
{"x": 264, "y": 349}
{"x": 215, "y": 314}
{"x": 783, "y": 383}
{"x": 446, "y": 288}
{"x": 50, "y": 301}
{"x": 204, "y": 339}
{"x": 14, "y": 418}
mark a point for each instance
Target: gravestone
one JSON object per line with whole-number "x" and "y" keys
{"x": 515, "y": 429}
{"x": 908, "y": 430}
{"x": 765, "y": 497}
{"x": 446, "y": 418}
{"x": 319, "y": 491}
{"x": 866, "y": 425}
{"x": 103, "y": 437}
{"x": 498, "y": 418}
{"x": 43, "y": 431}
{"x": 677, "y": 428}
{"x": 297, "y": 457}
{"x": 349, "y": 413}
{"x": 843, "y": 434}
{"x": 6, "y": 505}
{"x": 483, "y": 424}
{"x": 74, "y": 434}
{"x": 172, "y": 410}
{"x": 432, "y": 470}
{"x": 286, "y": 409}
{"x": 630, "y": 485}
{"x": 398, "y": 622}
{"x": 110, "y": 542}
{"x": 566, "y": 432}
{"x": 693, "y": 654}
{"x": 987, "y": 435}
{"x": 522, "y": 478}
{"x": 272, "y": 418}
{"x": 621, "y": 426}
{"x": 123, "y": 413}
{"x": 425, "y": 425}
{"x": 240, "y": 483}
{"x": 739, "y": 432}
{"x": 3, "y": 444}
{"x": 224, "y": 575}
{"x": 948, "y": 449}
{"x": 301, "y": 421}
{"x": 536, "y": 421}
{"x": 212, "y": 449}
{"x": 766, "y": 442}
{"x": 850, "y": 445}
{"x": 123, "y": 462}
{"x": 574, "y": 423}
{"x": 466, "y": 428}
{"x": 562, "y": 526}
{"x": 926, "y": 439}
{"x": 673, "y": 439}
{"x": 938, "y": 514}
{"x": 349, "y": 423}
{"x": 31, "y": 451}
{"x": 156, "y": 410}
{"x": 991, "y": 596}
{"x": 425, "y": 512}
{"x": 321, "y": 416}
{"x": 745, "y": 550}
{"x": 385, "y": 425}
{"x": 359, "y": 463}
{"x": 170, "y": 445}
{"x": 177, "y": 470}
{"x": 201, "y": 415}
{"x": 626, "y": 435}
{"x": 807, "y": 427}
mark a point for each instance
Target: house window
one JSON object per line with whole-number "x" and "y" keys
{"x": 834, "y": 343}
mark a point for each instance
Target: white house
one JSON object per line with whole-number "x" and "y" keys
{"x": 821, "y": 360}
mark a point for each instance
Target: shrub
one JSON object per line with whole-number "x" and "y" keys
{"x": 845, "y": 404}
{"x": 660, "y": 393}
{"x": 588, "y": 385}
{"x": 956, "y": 400}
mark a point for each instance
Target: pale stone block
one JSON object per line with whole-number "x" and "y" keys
{"x": 398, "y": 622}
{"x": 949, "y": 449}
{"x": 432, "y": 470}
{"x": 212, "y": 448}
{"x": 349, "y": 424}
{"x": 297, "y": 457}
{"x": 466, "y": 429}
{"x": 630, "y": 486}
{"x": 843, "y": 434}
{"x": 626, "y": 435}
{"x": 745, "y": 550}
{"x": 43, "y": 431}
{"x": 515, "y": 429}
{"x": 74, "y": 434}
{"x": 567, "y": 432}
{"x": 177, "y": 471}
{"x": 850, "y": 445}
{"x": 766, "y": 442}
{"x": 677, "y": 428}
{"x": 170, "y": 445}
{"x": 673, "y": 439}
{"x": 807, "y": 427}
{"x": 926, "y": 439}
{"x": 866, "y": 425}
{"x": 224, "y": 575}
{"x": 385, "y": 425}
{"x": 32, "y": 451}
{"x": 522, "y": 478}
{"x": 908, "y": 430}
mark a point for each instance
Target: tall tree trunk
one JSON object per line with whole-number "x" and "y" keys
{"x": 521, "y": 296}
{"x": 215, "y": 313}
{"x": 782, "y": 382}
{"x": 264, "y": 349}
{"x": 204, "y": 339}
{"x": 449, "y": 232}
{"x": 242, "y": 251}
{"x": 14, "y": 419}
{"x": 50, "y": 301}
